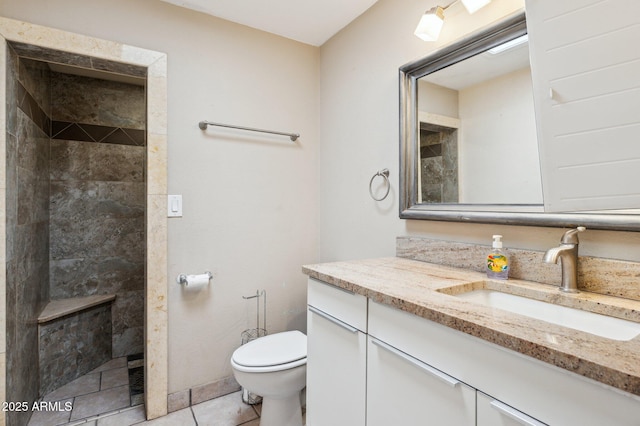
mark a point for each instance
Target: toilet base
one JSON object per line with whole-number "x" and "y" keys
{"x": 281, "y": 411}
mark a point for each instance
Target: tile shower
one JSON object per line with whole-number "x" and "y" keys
{"x": 75, "y": 223}
{"x": 438, "y": 163}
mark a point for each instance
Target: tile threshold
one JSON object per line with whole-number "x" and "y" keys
{"x": 101, "y": 416}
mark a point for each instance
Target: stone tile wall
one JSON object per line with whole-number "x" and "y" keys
{"x": 95, "y": 187}
{"x": 27, "y": 238}
{"x": 98, "y": 201}
{"x": 74, "y": 345}
{"x": 97, "y": 231}
{"x": 439, "y": 164}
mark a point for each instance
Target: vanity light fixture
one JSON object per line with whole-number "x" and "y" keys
{"x": 431, "y": 22}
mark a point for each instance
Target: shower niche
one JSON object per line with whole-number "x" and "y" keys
{"x": 75, "y": 223}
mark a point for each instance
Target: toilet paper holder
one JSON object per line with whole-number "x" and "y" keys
{"x": 184, "y": 279}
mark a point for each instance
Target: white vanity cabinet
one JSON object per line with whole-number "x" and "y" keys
{"x": 369, "y": 363}
{"x": 538, "y": 392}
{"x": 403, "y": 390}
{"x": 336, "y": 356}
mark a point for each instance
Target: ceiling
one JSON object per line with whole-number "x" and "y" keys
{"x": 480, "y": 68}
{"x": 308, "y": 21}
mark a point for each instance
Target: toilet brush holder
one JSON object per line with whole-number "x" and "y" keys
{"x": 252, "y": 334}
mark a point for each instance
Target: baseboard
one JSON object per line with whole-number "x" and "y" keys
{"x": 188, "y": 397}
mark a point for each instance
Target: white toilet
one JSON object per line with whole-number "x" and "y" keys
{"x": 274, "y": 367}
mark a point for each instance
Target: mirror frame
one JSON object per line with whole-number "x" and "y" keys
{"x": 506, "y": 214}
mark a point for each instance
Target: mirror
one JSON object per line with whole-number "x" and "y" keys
{"x": 477, "y": 134}
{"x": 468, "y": 143}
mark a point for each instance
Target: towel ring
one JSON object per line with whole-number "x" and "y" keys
{"x": 385, "y": 175}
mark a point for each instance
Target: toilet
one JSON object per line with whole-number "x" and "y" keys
{"x": 274, "y": 367}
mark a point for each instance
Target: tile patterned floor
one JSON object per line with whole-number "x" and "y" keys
{"x": 227, "y": 410}
{"x": 101, "y": 398}
{"x": 103, "y": 390}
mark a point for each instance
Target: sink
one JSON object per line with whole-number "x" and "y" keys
{"x": 577, "y": 319}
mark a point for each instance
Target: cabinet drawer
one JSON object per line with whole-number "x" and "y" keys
{"x": 343, "y": 305}
{"x": 517, "y": 380}
{"x": 412, "y": 334}
{"x": 492, "y": 412}
{"x": 402, "y": 390}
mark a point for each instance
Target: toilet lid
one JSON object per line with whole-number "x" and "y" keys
{"x": 274, "y": 349}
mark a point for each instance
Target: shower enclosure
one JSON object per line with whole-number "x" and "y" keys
{"x": 75, "y": 221}
{"x": 85, "y": 203}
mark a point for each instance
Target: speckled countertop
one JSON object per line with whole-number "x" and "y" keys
{"x": 412, "y": 286}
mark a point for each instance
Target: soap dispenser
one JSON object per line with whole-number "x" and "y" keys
{"x": 497, "y": 262}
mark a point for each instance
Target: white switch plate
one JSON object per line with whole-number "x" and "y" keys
{"x": 174, "y": 205}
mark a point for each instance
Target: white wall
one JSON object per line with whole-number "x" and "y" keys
{"x": 436, "y": 99}
{"x": 497, "y": 144}
{"x": 359, "y": 133}
{"x": 250, "y": 202}
{"x": 498, "y": 148}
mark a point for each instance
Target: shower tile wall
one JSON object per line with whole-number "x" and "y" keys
{"x": 439, "y": 164}
{"x": 73, "y": 346}
{"x": 27, "y": 224}
{"x": 73, "y": 208}
{"x": 98, "y": 199}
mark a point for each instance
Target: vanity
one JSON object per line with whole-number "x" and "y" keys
{"x": 425, "y": 338}
{"x": 390, "y": 342}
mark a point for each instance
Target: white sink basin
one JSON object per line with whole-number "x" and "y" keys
{"x": 600, "y": 325}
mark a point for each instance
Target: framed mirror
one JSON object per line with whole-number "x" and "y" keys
{"x": 468, "y": 141}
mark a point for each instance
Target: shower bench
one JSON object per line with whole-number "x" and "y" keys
{"x": 74, "y": 337}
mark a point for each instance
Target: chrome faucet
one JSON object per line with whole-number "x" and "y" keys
{"x": 567, "y": 252}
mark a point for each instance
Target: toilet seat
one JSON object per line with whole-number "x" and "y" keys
{"x": 275, "y": 352}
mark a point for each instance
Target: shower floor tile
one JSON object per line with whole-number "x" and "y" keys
{"x": 44, "y": 418}
{"x": 110, "y": 365}
{"x": 103, "y": 391}
{"x": 114, "y": 378}
{"x": 101, "y": 402}
{"x": 82, "y": 385}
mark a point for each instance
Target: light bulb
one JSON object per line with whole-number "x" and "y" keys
{"x": 430, "y": 24}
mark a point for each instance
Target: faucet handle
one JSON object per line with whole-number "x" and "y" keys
{"x": 571, "y": 236}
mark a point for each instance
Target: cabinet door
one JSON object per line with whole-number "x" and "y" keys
{"x": 402, "y": 390}
{"x": 585, "y": 68}
{"x": 336, "y": 371}
{"x": 492, "y": 412}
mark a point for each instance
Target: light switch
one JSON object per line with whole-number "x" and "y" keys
{"x": 174, "y": 206}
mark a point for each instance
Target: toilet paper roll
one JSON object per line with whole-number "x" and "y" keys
{"x": 196, "y": 280}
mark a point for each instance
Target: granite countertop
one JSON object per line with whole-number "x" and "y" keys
{"x": 412, "y": 286}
